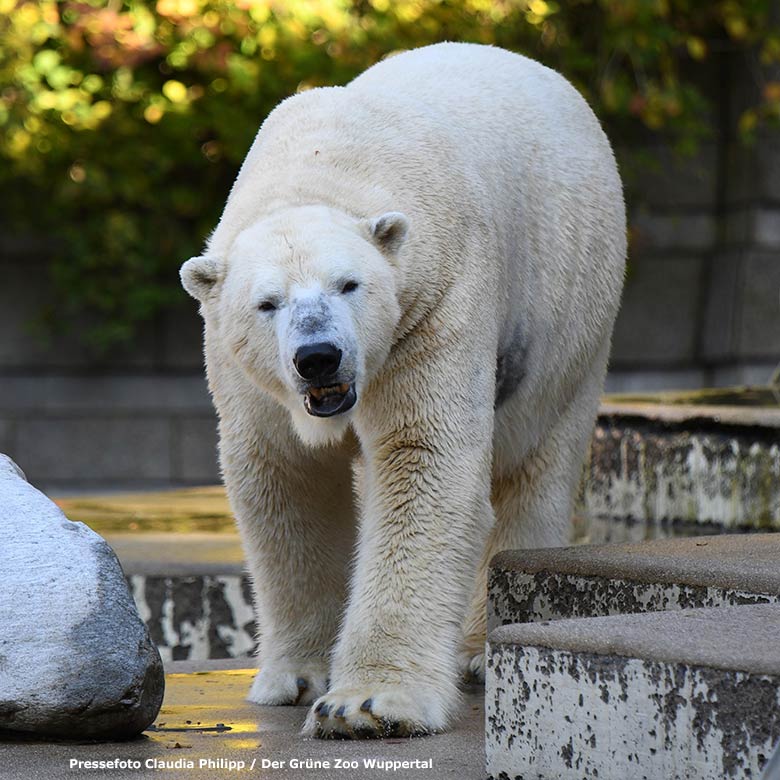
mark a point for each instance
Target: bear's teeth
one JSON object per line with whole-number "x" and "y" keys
{"x": 321, "y": 392}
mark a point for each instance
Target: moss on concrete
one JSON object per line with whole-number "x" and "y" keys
{"x": 766, "y": 397}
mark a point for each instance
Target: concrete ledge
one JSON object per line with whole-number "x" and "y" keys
{"x": 686, "y": 413}
{"x": 659, "y": 695}
{"x": 197, "y": 617}
{"x": 715, "y": 638}
{"x": 593, "y": 580}
{"x": 674, "y": 464}
{"x": 189, "y": 587}
{"x": 164, "y": 554}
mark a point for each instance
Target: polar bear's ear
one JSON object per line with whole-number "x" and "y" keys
{"x": 389, "y": 230}
{"x": 199, "y": 275}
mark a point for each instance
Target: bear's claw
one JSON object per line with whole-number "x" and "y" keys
{"x": 349, "y": 714}
{"x": 472, "y": 666}
{"x": 278, "y": 684}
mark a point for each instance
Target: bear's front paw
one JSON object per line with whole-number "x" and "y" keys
{"x": 374, "y": 712}
{"x": 289, "y": 682}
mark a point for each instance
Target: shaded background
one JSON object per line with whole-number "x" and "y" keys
{"x": 122, "y": 126}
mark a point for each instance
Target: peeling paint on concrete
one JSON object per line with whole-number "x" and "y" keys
{"x": 197, "y": 617}
{"x": 519, "y": 597}
{"x": 693, "y": 472}
{"x": 554, "y": 714}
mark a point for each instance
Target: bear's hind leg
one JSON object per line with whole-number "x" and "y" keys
{"x": 533, "y": 505}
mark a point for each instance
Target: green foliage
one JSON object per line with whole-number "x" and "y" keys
{"x": 123, "y": 123}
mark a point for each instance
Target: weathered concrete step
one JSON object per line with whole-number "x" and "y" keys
{"x": 198, "y": 616}
{"x": 685, "y": 463}
{"x": 534, "y": 585}
{"x": 190, "y": 590}
{"x": 682, "y": 695}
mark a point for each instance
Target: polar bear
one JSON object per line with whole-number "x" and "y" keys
{"x": 408, "y": 307}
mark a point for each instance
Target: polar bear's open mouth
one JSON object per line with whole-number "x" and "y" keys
{"x": 329, "y": 400}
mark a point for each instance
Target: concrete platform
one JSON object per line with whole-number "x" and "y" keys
{"x": 586, "y": 581}
{"x": 690, "y": 461}
{"x": 177, "y": 554}
{"x": 205, "y": 719}
{"x": 191, "y": 591}
{"x": 683, "y": 695}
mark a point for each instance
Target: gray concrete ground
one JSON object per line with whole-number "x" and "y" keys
{"x": 159, "y": 553}
{"x": 204, "y": 718}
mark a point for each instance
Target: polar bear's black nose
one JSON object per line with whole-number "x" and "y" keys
{"x": 317, "y": 361}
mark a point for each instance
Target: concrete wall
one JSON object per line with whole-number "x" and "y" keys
{"x": 700, "y": 308}
{"x": 701, "y": 305}
{"x": 141, "y": 418}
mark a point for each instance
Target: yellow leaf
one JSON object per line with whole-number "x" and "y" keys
{"x": 153, "y": 114}
{"x": 697, "y": 48}
{"x": 175, "y": 91}
{"x": 736, "y": 27}
{"x": 266, "y": 37}
{"x": 101, "y": 110}
{"x": 18, "y": 141}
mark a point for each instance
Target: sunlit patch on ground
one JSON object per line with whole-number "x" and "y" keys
{"x": 194, "y": 509}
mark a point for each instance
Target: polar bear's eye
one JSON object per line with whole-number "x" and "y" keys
{"x": 267, "y": 306}
{"x": 349, "y": 287}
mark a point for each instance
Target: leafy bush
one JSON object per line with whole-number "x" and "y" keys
{"x": 122, "y": 124}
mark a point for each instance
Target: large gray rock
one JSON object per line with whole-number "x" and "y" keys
{"x": 76, "y": 661}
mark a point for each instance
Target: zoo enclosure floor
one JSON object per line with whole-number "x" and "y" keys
{"x": 205, "y": 718}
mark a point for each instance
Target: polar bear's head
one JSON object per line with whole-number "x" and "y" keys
{"x": 306, "y": 302}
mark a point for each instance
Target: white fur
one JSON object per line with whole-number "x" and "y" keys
{"x": 474, "y": 197}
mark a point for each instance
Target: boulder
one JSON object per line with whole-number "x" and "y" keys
{"x": 76, "y": 660}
